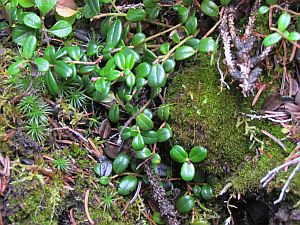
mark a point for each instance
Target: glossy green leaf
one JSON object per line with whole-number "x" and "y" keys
{"x": 158, "y": 219}
{"x": 114, "y": 113}
{"x": 143, "y": 154}
{"x": 150, "y": 137}
{"x": 164, "y": 48}
{"x": 157, "y": 76}
{"x": 49, "y": 54}
{"x": 184, "y": 52}
{"x": 140, "y": 82}
{"x": 144, "y": 122}
{"x": 187, "y": 171}
{"x": 121, "y": 162}
{"x": 130, "y": 80}
{"x": 51, "y": 83}
{"x": 29, "y": 47}
{"x": 26, "y": 3}
{"x": 197, "y": 154}
{"x": 63, "y": 69}
{"x": 263, "y": 10}
{"x": 32, "y": 20}
{"x": 207, "y": 192}
{"x": 127, "y": 185}
{"x": 42, "y": 64}
{"x": 142, "y": 70}
{"x": 191, "y": 25}
{"x": 138, "y": 38}
{"x": 169, "y": 65}
{"x": 185, "y": 204}
{"x": 61, "y": 29}
{"x": 74, "y": 52}
{"x": 86, "y": 69}
{"x": 163, "y": 112}
{"x": 45, "y": 6}
{"x": 138, "y": 142}
{"x": 178, "y": 154}
{"x": 193, "y": 42}
{"x": 125, "y": 134}
{"x": 20, "y": 32}
{"x": 102, "y": 86}
{"x": 120, "y": 60}
{"x": 114, "y": 33}
{"x": 135, "y": 15}
{"x": 16, "y": 67}
{"x": 293, "y": 36}
{"x": 272, "y": 39}
{"x": 175, "y": 37}
{"x": 207, "y": 45}
{"x": 183, "y": 12}
{"x": 92, "y": 8}
{"x": 225, "y": 2}
{"x": 209, "y": 8}
{"x": 149, "y": 56}
{"x": 164, "y": 134}
{"x": 156, "y": 159}
{"x": 129, "y": 61}
{"x": 197, "y": 190}
{"x": 113, "y": 75}
{"x": 104, "y": 180}
{"x": 284, "y": 21}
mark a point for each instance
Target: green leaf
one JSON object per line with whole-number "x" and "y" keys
{"x": 104, "y": 180}
{"x": 49, "y": 54}
{"x": 135, "y": 15}
{"x": 51, "y": 83}
{"x": 20, "y": 33}
{"x": 114, "y": 113}
{"x": 63, "y": 69}
{"x": 74, "y": 52}
{"x": 185, "y": 204}
{"x": 163, "y": 112}
{"x": 164, "y": 134}
{"x": 61, "y": 29}
{"x": 42, "y": 64}
{"x": 293, "y": 36}
{"x": 127, "y": 185}
{"x": 32, "y": 20}
{"x": 121, "y": 162}
{"x": 156, "y": 159}
{"x": 138, "y": 38}
{"x": 158, "y": 219}
{"x": 129, "y": 61}
{"x": 184, "y": 52}
{"x": 125, "y": 134}
{"x": 45, "y": 6}
{"x": 193, "y": 42}
{"x": 169, "y": 65}
{"x": 150, "y": 137}
{"x": 197, "y": 190}
{"x": 16, "y": 67}
{"x": 272, "y": 39}
{"x": 272, "y": 2}
{"x": 92, "y": 8}
{"x": 102, "y": 86}
{"x": 142, "y": 70}
{"x": 207, "y": 192}
{"x": 143, "y": 154}
{"x": 263, "y": 10}
{"x": 191, "y": 25}
{"x": 284, "y": 21}
{"x": 157, "y": 76}
{"x": 138, "y": 142}
{"x": 187, "y": 171}
{"x": 130, "y": 80}
{"x": 164, "y": 48}
{"x": 114, "y": 33}
{"x": 113, "y": 75}
{"x": 178, "y": 154}
{"x": 197, "y": 154}
{"x": 119, "y": 60}
{"x": 144, "y": 122}
{"x": 183, "y": 13}
{"x": 207, "y": 45}
{"x": 209, "y": 8}
{"x": 225, "y": 2}
{"x": 29, "y": 47}
{"x": 26, "y": 3}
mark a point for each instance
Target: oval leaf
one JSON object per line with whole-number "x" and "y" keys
{"x": 272, "y": 39}
{"x": 187, "y": 171}
{"x": 197, "y": 154}
{"x": 61, "y": 29}
{"x": 184, "y": 52}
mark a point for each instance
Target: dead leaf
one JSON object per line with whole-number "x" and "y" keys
{"x": 105, "y": 129}
{"x": 66, "y": 8}
{"x": 272, "y": 102}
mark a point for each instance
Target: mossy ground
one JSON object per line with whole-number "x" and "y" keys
{"x": 202, "y": 115}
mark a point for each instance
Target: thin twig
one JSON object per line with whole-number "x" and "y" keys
{"x": 133, "y": 198}
{"x": 86, "y": 207}
{"x": 72, "y": 217}
{"x": 274, "y": 139}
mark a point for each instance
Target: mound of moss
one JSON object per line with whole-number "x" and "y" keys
{"x": 202, "y": 115}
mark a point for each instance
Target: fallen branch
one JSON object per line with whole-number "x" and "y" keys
{"x": 86, "y": 207}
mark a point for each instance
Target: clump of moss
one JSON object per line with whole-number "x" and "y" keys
{"x": 202, "y": 115}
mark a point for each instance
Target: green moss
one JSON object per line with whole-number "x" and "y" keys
{"x": 201, "y": 115}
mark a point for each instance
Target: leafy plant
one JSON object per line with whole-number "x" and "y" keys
{"x": 61, "y": 163}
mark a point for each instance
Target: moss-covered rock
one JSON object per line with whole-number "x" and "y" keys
{"x": 202, "y": 115}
